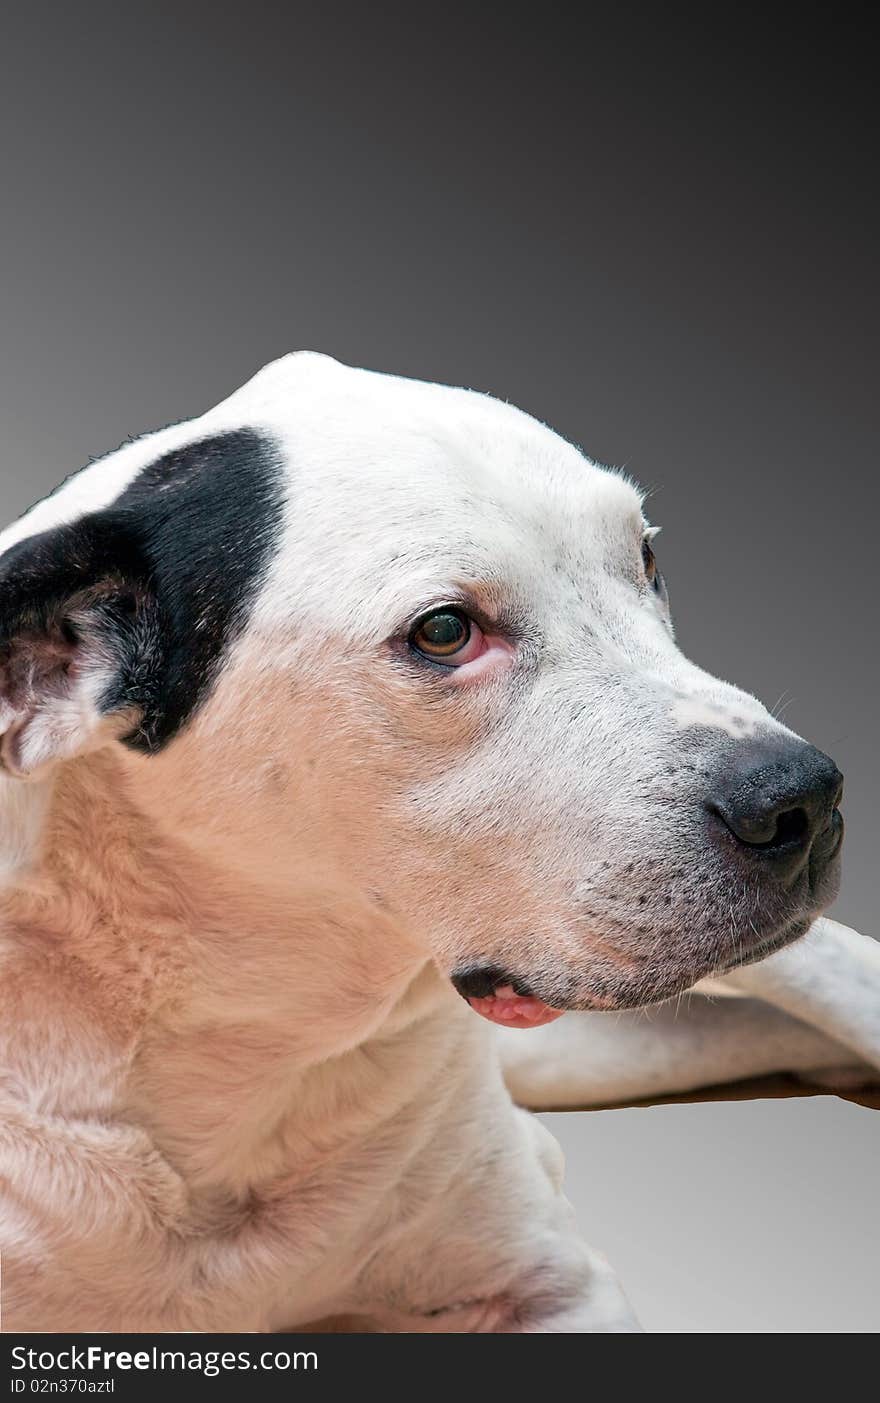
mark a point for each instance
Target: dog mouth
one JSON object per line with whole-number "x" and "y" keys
{"x": 499, "y": 997}
{"x": 508, "y": 1001}
{"x": 512, "y": 1010}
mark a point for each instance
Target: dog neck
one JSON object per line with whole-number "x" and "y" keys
{"x": 216, "y": 1005}
{"x": 23, "y": 809}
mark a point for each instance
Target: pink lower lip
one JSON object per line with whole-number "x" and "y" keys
{"x": 512, "y": 1010}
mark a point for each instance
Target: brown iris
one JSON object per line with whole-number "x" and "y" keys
{"x": 443, "y": 634}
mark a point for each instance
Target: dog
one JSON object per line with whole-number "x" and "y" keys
{"x": 345, "y": 737}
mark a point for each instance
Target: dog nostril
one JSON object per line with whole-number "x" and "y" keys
{"x": 792, "y": 826}
{"x": 767, "y": 830}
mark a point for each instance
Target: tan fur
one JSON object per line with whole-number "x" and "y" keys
{"x": 192, "y": 1084}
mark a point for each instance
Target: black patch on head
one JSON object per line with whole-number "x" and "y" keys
{"x": 165, "y": 575}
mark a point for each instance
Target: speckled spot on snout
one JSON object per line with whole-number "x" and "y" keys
{"x": 698, "y": 711}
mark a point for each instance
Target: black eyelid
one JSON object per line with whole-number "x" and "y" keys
{"x": 450, "y": 608}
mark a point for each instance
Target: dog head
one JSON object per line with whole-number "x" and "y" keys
{"x": 363, "y": 632}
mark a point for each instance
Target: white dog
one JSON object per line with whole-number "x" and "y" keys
{"x": 348, "y": 699}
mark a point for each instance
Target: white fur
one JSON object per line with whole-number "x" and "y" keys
{"x": 238, "y": 1089}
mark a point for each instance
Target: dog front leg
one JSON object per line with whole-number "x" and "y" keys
{"x": 603, "y": 1059}
{"x": 495, "y": 1249}
{"x": 830, "y": 980}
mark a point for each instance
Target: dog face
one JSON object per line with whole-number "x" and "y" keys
{"x": 364, "y": 632}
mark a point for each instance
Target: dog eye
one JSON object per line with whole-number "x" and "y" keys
{"x": 447, "y": 636}
{"x": 649, "y": 560}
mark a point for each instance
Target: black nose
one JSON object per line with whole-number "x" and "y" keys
{"x": 778, "y": 798}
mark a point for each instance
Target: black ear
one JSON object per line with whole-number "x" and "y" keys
{"x": 79, "y": 639}
{"x": 114, "y": 625}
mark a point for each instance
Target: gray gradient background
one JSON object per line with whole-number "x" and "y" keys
{"x": 663, "y": 243}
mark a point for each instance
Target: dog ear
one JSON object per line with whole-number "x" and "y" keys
{"x": 117, "y": 624}
{"x": 78, "y": 637}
